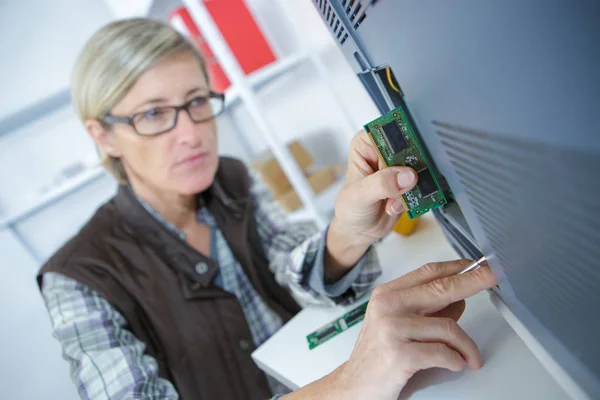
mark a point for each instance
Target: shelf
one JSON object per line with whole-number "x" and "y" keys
{"x": 266, "y": 74}
{"x": 35, "y": 111}
{"x": 54, "y": 195}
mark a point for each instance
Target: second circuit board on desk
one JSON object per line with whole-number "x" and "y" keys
{"x": 336, "y": 327}
{"x": 394, "y": 138}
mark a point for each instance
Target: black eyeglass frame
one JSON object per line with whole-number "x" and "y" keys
{"x": 111, "y": 119}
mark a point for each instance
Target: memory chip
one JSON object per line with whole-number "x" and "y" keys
{"x": 426, "y": 184}
{"x": 326, "y": 332}
{"x": 394, "y": 136}
{"x": 356, "y": 316}
{"x": 397, "y": 144}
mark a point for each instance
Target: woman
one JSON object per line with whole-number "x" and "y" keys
{"x": 170, "y": 286}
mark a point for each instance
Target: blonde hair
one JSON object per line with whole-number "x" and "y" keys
{"x": 111, "y": 62}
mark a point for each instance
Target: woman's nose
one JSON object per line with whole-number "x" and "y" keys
{"x": 186, "y": 130}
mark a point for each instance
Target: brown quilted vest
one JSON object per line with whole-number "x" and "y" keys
{"x": 196, "y": 331}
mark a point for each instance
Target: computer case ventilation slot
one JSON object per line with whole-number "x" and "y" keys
{"x": 356, "y": 11}
{"x": 332, "y": 20}
{"x": 533, "y": 234}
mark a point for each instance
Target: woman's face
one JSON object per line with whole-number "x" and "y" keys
{"x": 182, "y": 160}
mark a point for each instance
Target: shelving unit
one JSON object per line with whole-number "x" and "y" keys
{"x": 259, "y": 78}
{"x": 247, "y": 94}
{"x": 53, "y": 195}
{"x": 246, "y": 90}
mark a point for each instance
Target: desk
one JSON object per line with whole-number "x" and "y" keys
{"x": 510, "y": 370}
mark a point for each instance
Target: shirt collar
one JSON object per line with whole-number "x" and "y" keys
{"x": 203, "y": 216}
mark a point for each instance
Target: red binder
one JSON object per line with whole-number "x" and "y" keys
{"x": 238, "y": 28}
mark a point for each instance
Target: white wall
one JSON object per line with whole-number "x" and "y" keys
{"x": 39, "y": 41}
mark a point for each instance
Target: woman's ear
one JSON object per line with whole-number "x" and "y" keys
{"x": 102, "y": 136}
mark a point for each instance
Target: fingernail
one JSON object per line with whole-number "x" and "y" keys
{"x": 405, "y": 178}
{"x": 397, "y": 207}
{"x": 479, "y": 364}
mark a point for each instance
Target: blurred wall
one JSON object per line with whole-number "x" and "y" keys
{"x": 39, "y": 42}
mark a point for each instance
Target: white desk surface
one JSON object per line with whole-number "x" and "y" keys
{"x": 510, "y": 370}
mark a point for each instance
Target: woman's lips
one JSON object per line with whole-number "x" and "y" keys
{"x": 194, "y": 159}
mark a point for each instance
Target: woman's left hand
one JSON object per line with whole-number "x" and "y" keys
{"x": 368, "y": 204}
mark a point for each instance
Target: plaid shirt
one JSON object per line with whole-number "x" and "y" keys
{"x": 108, "y": 361}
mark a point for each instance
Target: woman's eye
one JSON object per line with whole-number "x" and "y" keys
{"x": 153, "y": 114}
{"x": 198, "y": 101}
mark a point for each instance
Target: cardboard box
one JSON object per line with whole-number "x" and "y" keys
{"x": 271, "y": 173}
{"x": 319, "y": 181}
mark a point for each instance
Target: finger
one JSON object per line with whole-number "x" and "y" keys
{"x": 430, "y": 355}
{"x": 436, "y": 295}
{"x": 446, "y": 331}
{"x": 394, "y": 207}
{"x": 363, "y": 158}
{"x": 427, "y": 273}
{"x": 385, "y": 184}
{"x": 454, "y": 311}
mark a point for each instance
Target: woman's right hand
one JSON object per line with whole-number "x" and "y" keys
{"x": 410, "y": 325}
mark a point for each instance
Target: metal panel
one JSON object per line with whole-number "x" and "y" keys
{"x": 506, "y": 96}
{"x": 541, "y": 222}
{"x": 344, "y": 17}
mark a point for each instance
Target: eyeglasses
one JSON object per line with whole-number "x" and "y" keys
{"x": 162, "y": 119}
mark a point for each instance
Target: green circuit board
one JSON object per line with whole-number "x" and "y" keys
{"x": 336, "y": 327}
{"x": 394, "y": 138}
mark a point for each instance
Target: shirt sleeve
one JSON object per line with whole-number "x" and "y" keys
{"x": 296, "y": 253}
{"x": 107, "y": 361}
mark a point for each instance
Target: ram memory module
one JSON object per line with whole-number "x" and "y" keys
{"x": 336, "y": 327}
{"x": 394, "y": 138}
